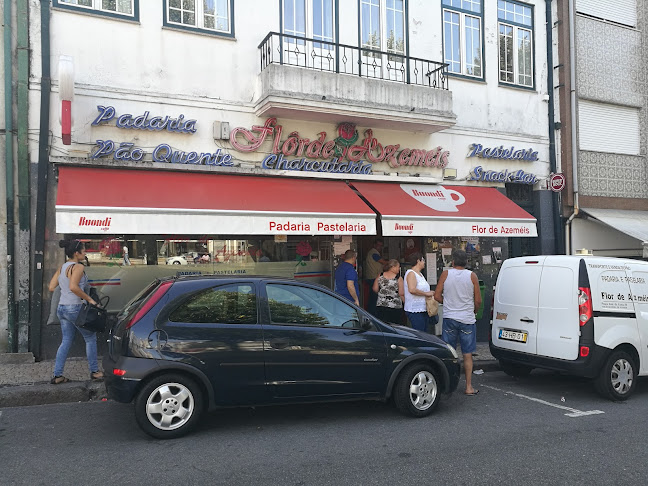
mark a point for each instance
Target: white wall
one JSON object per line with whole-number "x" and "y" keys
{"x": 144, "y": 66}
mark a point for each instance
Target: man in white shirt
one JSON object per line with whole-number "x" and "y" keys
{"x": 458, "y": 290}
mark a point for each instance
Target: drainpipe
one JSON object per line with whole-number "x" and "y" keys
{"x": 9, "y": 178}
{"x": 41, "y": 184}
{"x": 22, "y": 53}
{"x": 574, "y": 138}
{"x": 555, "y": 202}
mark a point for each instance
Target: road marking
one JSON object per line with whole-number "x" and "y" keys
{"x": 573, "y": 412}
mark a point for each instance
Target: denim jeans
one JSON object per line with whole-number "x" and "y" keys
{"x": 466, "y": 334}
{"x": 67, "y": 314}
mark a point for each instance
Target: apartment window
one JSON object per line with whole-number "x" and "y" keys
{"x": 212, "y": 16}
{"x": 515, "y": 28}
{"x": 309, "y": 18}
{"x": 382, "y": 25}
{"x": 113, "y": 8}
{"x": 462, "y": 37}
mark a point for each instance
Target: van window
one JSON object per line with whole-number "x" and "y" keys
{"x": 519, "y": 286}
{"x": 557, "y": 290}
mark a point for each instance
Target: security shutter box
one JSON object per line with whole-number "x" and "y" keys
{"x": 608, "y": 128}
{"x": 620, "y": 11}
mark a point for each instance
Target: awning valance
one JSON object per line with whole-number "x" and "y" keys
{"x": 93, "y": 200}
{"x": 436, "y": 210}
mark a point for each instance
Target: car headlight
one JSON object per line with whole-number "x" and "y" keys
{"x": 453, "y": 351}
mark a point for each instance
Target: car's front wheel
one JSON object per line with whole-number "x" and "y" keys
{"x": 169, "y": 406}
{"x": 417, "y": 390}
{"x": 618, "y": 377}
{"x": 176, "y": 262}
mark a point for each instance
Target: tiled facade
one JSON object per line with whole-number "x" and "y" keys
{"x": 612, "y": 67}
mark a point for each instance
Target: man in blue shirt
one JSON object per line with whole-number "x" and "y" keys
{"x": 346, "y": 278}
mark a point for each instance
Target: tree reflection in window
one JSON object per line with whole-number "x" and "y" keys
{"x": 291, "y": 304}
{"x": 230, "y": 304}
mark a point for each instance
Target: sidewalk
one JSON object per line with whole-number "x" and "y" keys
{"x": 24, "y": 382}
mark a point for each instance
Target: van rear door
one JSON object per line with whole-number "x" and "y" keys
{"x": 515, "y": 312}
{"x": 638, "y": 279}
{"x": 558, "y": 325}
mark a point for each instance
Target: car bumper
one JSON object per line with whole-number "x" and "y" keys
{"x": 588, "y": 367}
{"x": 123, "y": 388}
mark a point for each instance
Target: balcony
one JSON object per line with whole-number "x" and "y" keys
{"x": 308, "y": 79}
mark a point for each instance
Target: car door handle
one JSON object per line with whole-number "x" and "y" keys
{"x": 279, "y": 343}
{"x": 526, "y": 319}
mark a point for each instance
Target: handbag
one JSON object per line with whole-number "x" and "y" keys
{"x": 93, "y": 317}
{"x": 432, "y": 306}
{"x": 53, "y": 319}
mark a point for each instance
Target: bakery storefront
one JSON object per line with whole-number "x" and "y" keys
{"x": 267, "y": 201}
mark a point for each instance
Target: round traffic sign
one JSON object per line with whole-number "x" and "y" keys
{"x": 557, "y": 182}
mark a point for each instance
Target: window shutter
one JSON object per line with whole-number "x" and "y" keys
{"x": 608, "y": 128}
{"x": 621, "y": 11}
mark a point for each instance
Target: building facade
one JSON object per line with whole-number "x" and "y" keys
{"x": 604, "y": 121}
{"x": 268, "y": 137}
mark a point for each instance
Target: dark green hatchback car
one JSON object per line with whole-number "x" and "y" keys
{"x": 189, "y": 344}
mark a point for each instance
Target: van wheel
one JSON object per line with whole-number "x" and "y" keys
{"x": 514, "y": 369}
{"x": 417, "y": 390}
{"x": 618, "y": 377}
{"x": 169, "y": 406}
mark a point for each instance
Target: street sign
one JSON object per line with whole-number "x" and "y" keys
{"x": 557, "y": 182}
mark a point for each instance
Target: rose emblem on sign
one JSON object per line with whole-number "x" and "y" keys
{"x": 347, "y": 136}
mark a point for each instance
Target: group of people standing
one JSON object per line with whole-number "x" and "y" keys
{"x": 457, "y": 289}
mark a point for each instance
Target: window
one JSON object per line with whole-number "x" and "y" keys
{"x": 603, "y": 127}
{"x": 309, "y": 18}
{"x": 291, "y": 304}
{"x": 214, "y": 16}
{"x": 383, "y": 25}
{"x": 228, "y": 304}
{"x": 515, "y": 29}
{"x": 620, "y": 11}
{"x": 117, "y": 8}
{"x": 462, "y": 37}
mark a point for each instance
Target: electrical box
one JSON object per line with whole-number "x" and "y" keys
{"x": 221, "y": 130}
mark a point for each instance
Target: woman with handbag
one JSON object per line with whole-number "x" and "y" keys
{"x": 417, "y": 289}
{"x": 72, "y": 280}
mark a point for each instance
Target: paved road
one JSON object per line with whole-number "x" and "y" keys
{"x": 516, "y": 431}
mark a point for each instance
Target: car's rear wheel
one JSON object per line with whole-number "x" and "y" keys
{"x": 618, "y": 377}
{"x": 176, "y": 262}
{"x": 514, "y": 369}
{"x": 417, "y": 390}
{"x": 169, "y": 406}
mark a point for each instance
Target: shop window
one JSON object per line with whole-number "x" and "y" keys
{"x": 515, "y": 31}
{"x": 228, "y": 304}
{"x": 462, "y": 37}
{"x": 207, "y": 16}
{"x": 113, "y": 8}
{"x": 308, "y": 307}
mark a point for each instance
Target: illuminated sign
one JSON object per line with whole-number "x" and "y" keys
{"x": 478, "y": 150}
{"x": 514, "y": 176}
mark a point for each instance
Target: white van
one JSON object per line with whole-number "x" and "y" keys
{"x": 585, "y": 316}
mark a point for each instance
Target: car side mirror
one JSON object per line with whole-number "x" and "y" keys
{"x": 365, "y": 323}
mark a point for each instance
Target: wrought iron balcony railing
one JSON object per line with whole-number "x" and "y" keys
{"x": 332, "y": 57}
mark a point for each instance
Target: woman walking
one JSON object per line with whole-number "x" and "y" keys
{"x": 73, "y": 280}
{"x": 390, "y": 290}
{"x": 416, "y": 290}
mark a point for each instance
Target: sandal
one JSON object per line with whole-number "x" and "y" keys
{"x": 57, "y": 380}
{"x": 97, "y": 375}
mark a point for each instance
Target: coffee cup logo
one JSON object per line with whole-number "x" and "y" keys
{"x": 438, "y": 198}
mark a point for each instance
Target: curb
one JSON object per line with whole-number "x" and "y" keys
{"x": 45, "y": 393}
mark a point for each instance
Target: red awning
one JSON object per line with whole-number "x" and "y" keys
{"x": 436, "y": 210}
{"x": 122, "y": 201}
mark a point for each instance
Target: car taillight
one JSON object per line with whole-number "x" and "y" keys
{"x": 154, "y": 299}
{"x": 584, "y": 351}
{"x": 118, "y": 372}
{"x": 584, "y": 305}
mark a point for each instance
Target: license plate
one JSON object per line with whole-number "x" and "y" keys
{"x": 518, "y": 336}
